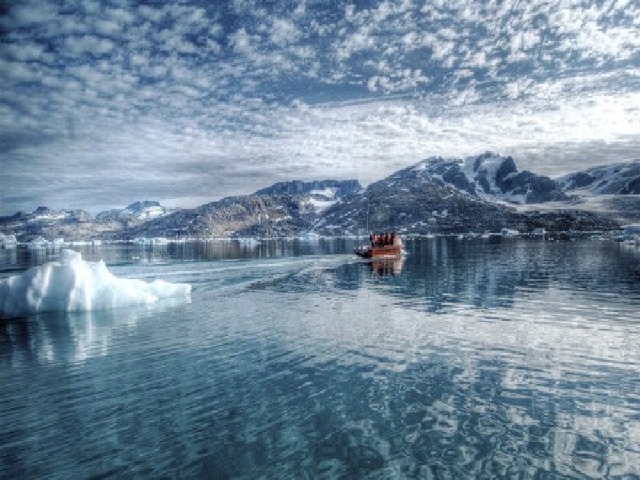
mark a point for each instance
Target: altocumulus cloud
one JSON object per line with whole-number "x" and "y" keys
{"x": 107, "y": 102}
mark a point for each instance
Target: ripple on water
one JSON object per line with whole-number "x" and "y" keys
{"x": 475, "y": 360}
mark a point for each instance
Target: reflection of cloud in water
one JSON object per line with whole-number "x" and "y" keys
{"x": 313, "y": 367}
{"x": 554, "y": 373}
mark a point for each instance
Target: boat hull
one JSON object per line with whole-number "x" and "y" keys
{"x": 387, "y": 251}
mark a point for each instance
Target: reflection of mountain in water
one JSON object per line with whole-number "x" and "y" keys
{"x": 443, "y": 272}
{"x": 315, "y": 366}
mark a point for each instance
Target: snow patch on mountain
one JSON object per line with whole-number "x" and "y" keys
{"x": 320, "y": 205}
{"x": 325, "y": 192}
{"x": 137, "y": 211}
{"x": 317, "y": 196}
{"x": 146, "y": 210}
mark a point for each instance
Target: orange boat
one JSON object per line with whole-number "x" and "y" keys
{"x": 376, "y": 250}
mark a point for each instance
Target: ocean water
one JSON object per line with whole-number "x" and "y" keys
{"x": 499, "y": 358}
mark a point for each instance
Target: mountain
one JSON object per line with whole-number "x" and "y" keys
{"x": 244, "y": 216}
{"x": 74, "y": 225}
{"x": 492, "y": 177}
{"x": 437, "y": 195}
{"x": 618, "y": 179}
{"x": 281, "y": 210}
{"x": 409, "y": 201}
{"x": 45, "y": 222}
{"x": 320, "y": 195}
{"x": 412, "y": 201}
{"x": 420, "y": 200}
{"x": 136, "y": 212}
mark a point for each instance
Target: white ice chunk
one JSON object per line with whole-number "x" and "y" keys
{"x": 73, "y": 284}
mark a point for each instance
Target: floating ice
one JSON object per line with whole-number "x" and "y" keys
{"x": 73, "y": 284}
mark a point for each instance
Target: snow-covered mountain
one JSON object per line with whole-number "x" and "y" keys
{"x": 74, "y": 225}
{"x": 437, "y": 195}
{"x": 137, "y": 212}
{"x": 490, "y": 176}
{"x": 414, "y": 200}
{"x": 617, "y": 179}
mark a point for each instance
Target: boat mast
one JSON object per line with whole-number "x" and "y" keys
{"x": 367, "y": 215}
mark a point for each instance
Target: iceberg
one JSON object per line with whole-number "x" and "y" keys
{"x": 73, "y": 284}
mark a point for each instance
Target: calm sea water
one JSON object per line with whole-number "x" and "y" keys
{"x": 471, "y": 358}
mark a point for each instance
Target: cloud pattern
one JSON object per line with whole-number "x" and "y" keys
{"x": 107, "y": 102}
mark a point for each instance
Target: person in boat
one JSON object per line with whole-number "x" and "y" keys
{"x": 393, "y": 238}
{"x": 386, "y": 239}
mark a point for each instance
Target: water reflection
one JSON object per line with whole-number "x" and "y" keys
{"x": 386, "y": 266}
{"x": 70, "y": 337}
{"x": 528, "y": 390}
{"x": 372, "y": 387}
{"x": 512, "y": 358}
{"x": 441, "y": 274}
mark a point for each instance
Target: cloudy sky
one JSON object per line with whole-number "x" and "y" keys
{"x": 104, "y": 102}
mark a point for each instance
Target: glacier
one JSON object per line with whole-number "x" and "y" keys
{"x": 73, "y": 284}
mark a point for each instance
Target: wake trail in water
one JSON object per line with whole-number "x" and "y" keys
{"x": 229, "y": 276}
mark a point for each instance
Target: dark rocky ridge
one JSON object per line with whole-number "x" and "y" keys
{"x": 491, "y": 176}
{"x": 296, "y": 187}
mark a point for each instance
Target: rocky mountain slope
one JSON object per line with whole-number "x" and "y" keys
{"x": 246, "y": 216}
{"x": 618, "y": 179}
{"x": 284, "y": 209}
{"x": 50, "y": 224}
{"x": 415, "y": 200}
